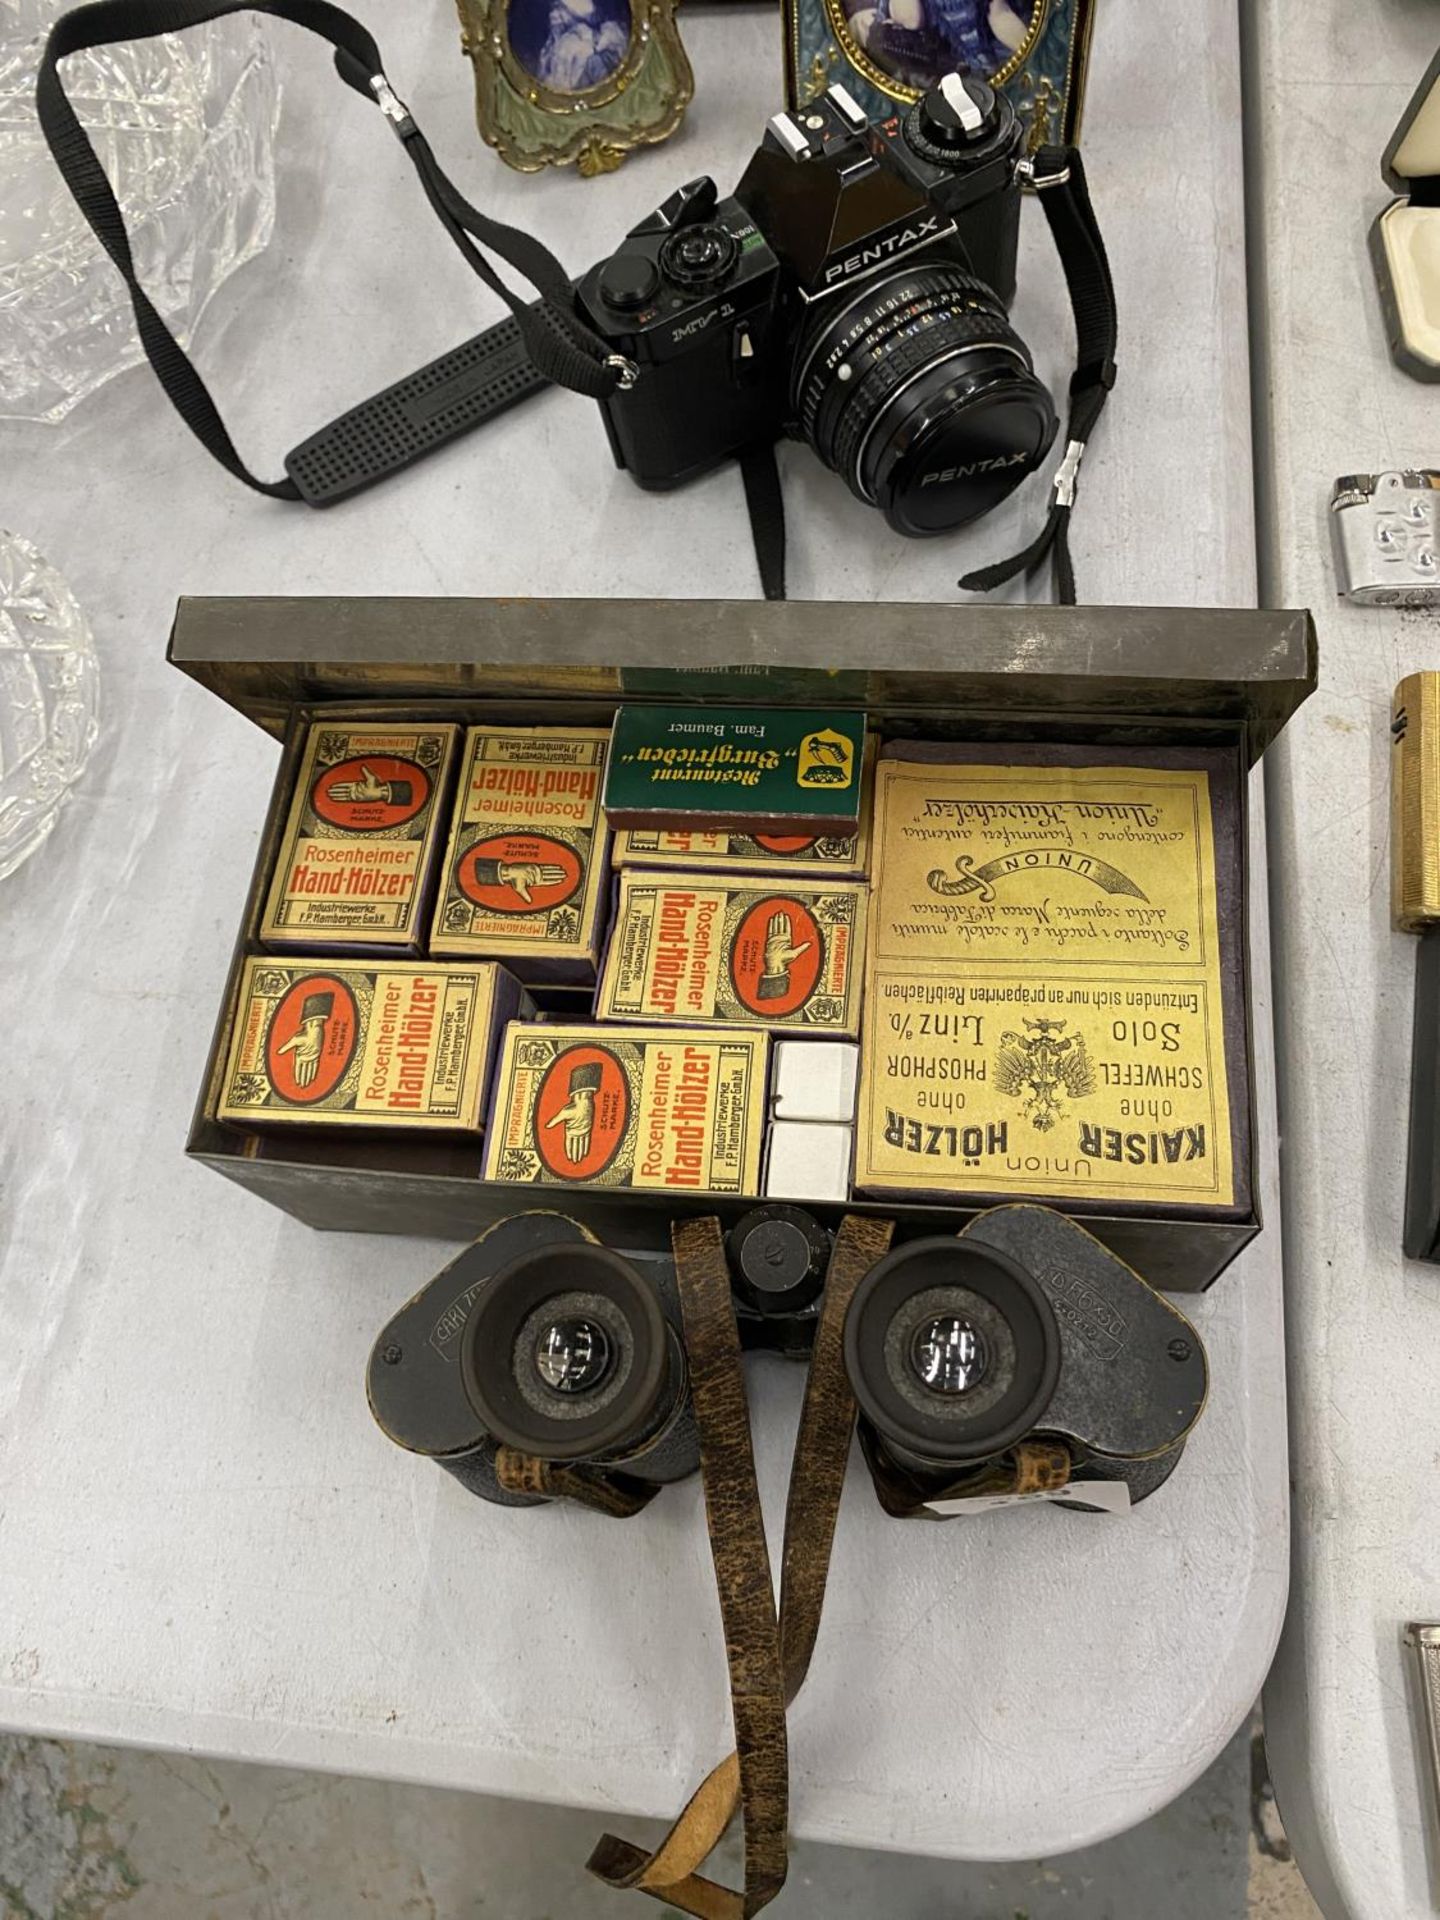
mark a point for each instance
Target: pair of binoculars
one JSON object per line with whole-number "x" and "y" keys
{"x": 542, "y": 1362}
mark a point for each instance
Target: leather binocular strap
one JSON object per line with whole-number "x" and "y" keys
{"x": 752, "y": 1778}
{"x": 615, "y": 1494}
{"x": 607, "y": 1487}
{"x": 1035, "y": 1466}
{"x": 758, "y": 1773}
{"x": 822, "y": 1450}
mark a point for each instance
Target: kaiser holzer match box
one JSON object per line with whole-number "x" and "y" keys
{"x": 665, "y": 1110}
{"x": 334, "y": 1043}
{"x": 695, "y": 948}
{"x": 736, "y": 770}
{"x": 846, "y": 855}
{"x": 527, "y": 866}
{"x": 356, "y": 862}
{"x": 1055, "y": 996}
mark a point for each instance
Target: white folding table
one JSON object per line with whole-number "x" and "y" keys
{"x": 204, "y": 1540}
{"x": 1363, "y": 1323}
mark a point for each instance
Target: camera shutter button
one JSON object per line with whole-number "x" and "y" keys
{"x": 629, "y": 281}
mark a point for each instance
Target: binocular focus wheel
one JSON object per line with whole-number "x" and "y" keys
{"x": 951, "y": 1281}
{"x": 575, "y": 1284}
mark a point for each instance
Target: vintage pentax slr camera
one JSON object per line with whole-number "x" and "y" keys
{"x": 852, "y": 293}
{"x": 1022, "y": 1328}
{"x": 541, "y": 1364}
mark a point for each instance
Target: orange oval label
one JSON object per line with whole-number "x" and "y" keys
{"x": 312, "y": 1039}
{"x": 786, "y": 842}
{"x": 371, "y": 795}
{"x": 581, "y": 1112}
{"x": 519, "y": 873}
{"x": 776, "y": 957}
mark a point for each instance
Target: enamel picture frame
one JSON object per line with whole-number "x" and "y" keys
{"x": 575, "y": 82}
{"x": 889, "y": 52}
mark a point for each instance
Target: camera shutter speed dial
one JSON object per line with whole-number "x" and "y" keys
{"x": 699, "y": 257}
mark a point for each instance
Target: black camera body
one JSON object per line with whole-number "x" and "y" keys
{"x": 853, "y": 292}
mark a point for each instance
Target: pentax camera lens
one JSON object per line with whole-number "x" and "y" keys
{"x": 919, "y": 393}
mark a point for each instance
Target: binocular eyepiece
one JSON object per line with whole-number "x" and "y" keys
{"x": 567, "y": 1355}
{"x": 961, "y": 1350}
{"x": 541, "y": 1363}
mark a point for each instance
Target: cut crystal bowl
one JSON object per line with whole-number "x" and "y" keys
{"x": 184, "y": 126}
{"x": 49, "y": 686}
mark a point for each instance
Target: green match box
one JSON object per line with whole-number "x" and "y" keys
{"x": 733, "y": 769}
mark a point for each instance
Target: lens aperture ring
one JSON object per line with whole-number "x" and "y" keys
{"x": 865, "y": 318}
{"x": 890, "y": 330}
{"x": 934, "y": 342}
{"x": 854, "y": 354}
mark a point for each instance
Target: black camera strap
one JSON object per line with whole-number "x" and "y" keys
{"x": 543, "y": 342}
{"x": 1058, "y": 175}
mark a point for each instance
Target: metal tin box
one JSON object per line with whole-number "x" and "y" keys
{"x": 1099, "y": 676}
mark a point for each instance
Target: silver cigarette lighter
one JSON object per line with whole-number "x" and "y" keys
{"x": 1386, "y": 529}
{"x": 1423, "y": 1640}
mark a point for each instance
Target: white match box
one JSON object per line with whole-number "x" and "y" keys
{"x": 808, "y": 1161}
{"x": 815, "y": 1080}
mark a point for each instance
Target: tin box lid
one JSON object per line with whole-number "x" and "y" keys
{"x": 1106, "y": 673}
{"x": 1411, "y": 164}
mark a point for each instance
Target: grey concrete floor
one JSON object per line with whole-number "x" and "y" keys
{"x": 87, "y": 1832}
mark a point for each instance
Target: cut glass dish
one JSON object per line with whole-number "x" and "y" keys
{"x": 184, "y": 126}
{"x": 49, "y": 698}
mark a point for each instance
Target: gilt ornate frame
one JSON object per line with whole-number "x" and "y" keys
{"x": 531, "y": 125}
